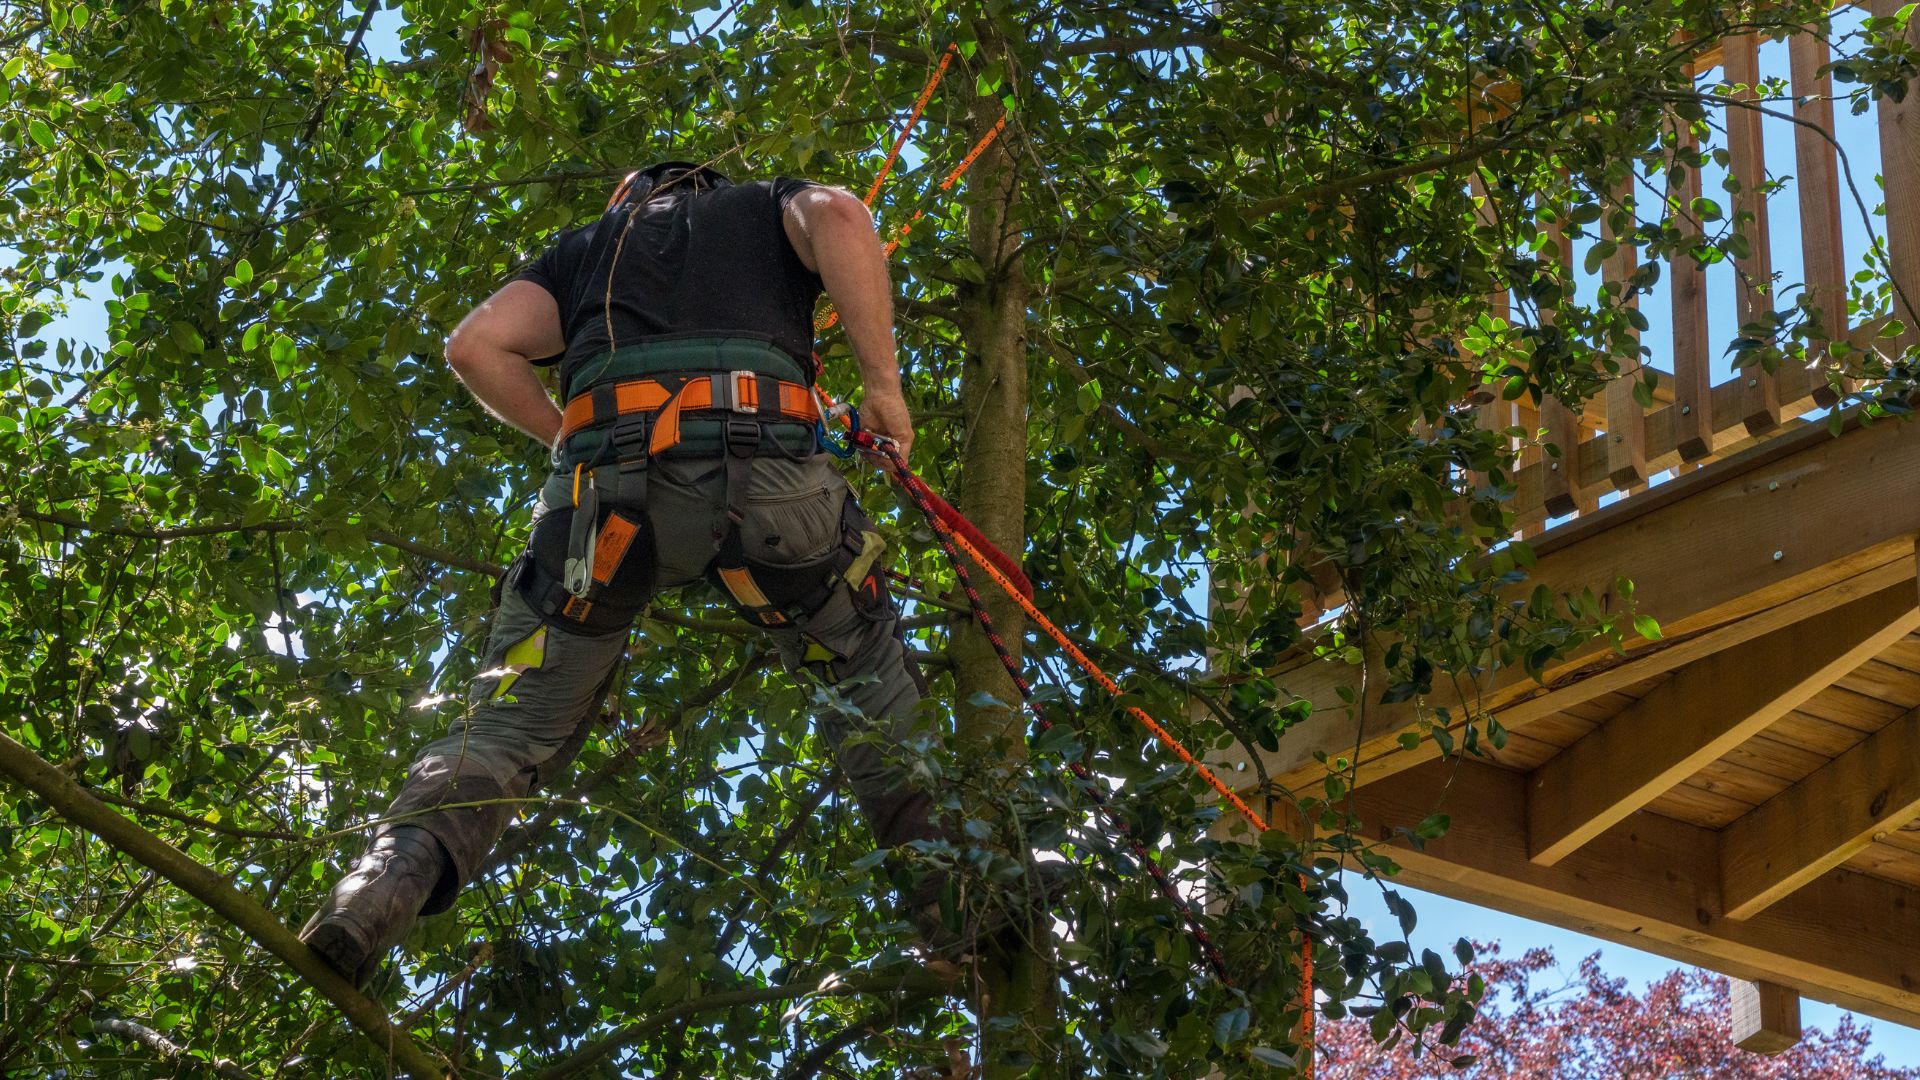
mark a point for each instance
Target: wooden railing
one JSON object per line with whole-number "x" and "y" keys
{"x": 1614, "y": 443}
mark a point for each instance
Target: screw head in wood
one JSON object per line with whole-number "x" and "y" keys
{"x": 1778, "y": 555}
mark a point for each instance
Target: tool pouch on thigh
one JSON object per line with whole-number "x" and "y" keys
{"x": 590, "y": 565}
{"x": 773, "y": 594}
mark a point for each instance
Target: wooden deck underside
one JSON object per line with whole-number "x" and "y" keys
{"x": 1743, "y": 794}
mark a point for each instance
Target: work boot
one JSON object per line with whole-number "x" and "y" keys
{"x": 371, "y": 909}
{"x": 1022, "y": 899}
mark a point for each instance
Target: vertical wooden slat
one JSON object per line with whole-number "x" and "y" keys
{"x": 1490, "y": 414}
{"x": 1748, "y": 167}
{"x": 1899, "y": 147}
{"x": 1563, "y": 428}
{"x": 1823, "y": 257}
{"x": 1626, "y": 422}
{"x": 1692, "y": 370}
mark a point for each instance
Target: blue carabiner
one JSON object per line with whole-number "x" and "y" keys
{"x": 844, "y": 448}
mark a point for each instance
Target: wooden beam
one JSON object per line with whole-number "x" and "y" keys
{"x": 1518, "y": 702}
{"x": 1701, "y": 550}
{"x": 1822, "y": 821}
{"x": 1701, "y": 713}
{"x": 1653, "y": 883}
{"x": 1766, "y": 1017}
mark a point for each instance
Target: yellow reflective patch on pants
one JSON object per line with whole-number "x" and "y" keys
{"x": 523, "y": 655}
{"x": 818, "y": 654}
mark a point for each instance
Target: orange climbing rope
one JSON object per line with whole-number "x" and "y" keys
{"x": 919, "y": 106}
{"x": 952, "y": 178}
{"x": 1023, "y": 596}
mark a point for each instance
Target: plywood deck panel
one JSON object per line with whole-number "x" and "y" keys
{"x": 1887, "y": 863}
{"x": 1815, "y": 735}
{"x": 1736, "y": 781}
{"x": 1778, "y": 758}
{"x": 1523, "y": 753}
{"x": 1858, "y": 711}
{"x": 1904, "y": 653}
{"x": 1559, "y": 730}
{"x": 1893, "y": 685}
{"x": 1698, "y": 806}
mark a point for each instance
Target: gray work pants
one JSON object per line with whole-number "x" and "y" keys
{"x": 532, "y": 706}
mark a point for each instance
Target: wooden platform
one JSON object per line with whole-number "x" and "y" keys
{"x": 1742, "y": 794}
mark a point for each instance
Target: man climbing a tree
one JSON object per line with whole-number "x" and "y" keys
{"x": 682, "y": 321}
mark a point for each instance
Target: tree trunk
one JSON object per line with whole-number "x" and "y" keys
{"x": 993, "y": 494}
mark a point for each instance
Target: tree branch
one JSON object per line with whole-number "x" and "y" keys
{"x": 817, "y": 1058}
{"x": 74, "y": 803}
{"x": 378, "y": 536}
{"x": 1147, "y": 442}
{"x": 919, "y": 982}
{"x": 171, "y": 1051}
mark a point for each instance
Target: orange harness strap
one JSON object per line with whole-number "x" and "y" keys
{"x": 795, "y": 402}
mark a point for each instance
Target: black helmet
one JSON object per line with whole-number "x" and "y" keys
{"x": 663, "y": 176}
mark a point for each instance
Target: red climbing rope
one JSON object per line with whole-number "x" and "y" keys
{"x": 948, "y": 537}
{"x": 953, "y": 542}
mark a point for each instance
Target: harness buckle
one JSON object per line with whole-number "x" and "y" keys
{"x": 735, "y": 391}
{"x": 743, "y": 437}
{"x": 744, "y": 389}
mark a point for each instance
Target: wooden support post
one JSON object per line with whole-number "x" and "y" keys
{"x": 1564, "y": 493}
{"x": 1698, "y": 715}
{"x": 1687, "y": 282}
{"x": 1626, "y": 420}
{"x": 1748, "y": 169}
{"x": 1900, "y": 169}
{"x": 1823, "y": 256}
{"x": 1766, "y": 1017}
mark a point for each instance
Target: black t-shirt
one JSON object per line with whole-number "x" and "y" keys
{"x": 689, "y": 264}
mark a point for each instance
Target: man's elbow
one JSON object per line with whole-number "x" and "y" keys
{"x": 465, "y": 355}
{"x": 844, "y": 210}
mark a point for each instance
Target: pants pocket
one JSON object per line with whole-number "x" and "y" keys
{"x": 792, "y": 528}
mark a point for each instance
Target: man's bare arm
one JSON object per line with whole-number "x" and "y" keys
{"x": 492, "y": 351}
{"x": 833, "y": 235}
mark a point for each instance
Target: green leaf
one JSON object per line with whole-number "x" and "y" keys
{"x": 283, "y": 352}
{"x": 1267, "y": 1055}
{"x": 148, "y": 221}
{"x": 1231, "y": 1025}
{"x": 1646, "y": 627}
{"x": 40, "y": 132}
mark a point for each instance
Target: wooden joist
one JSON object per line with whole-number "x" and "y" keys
{"x": 1822, "y": 821}
{"x": 1704, "y": 711}
{"x": 1653, "y": 883}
